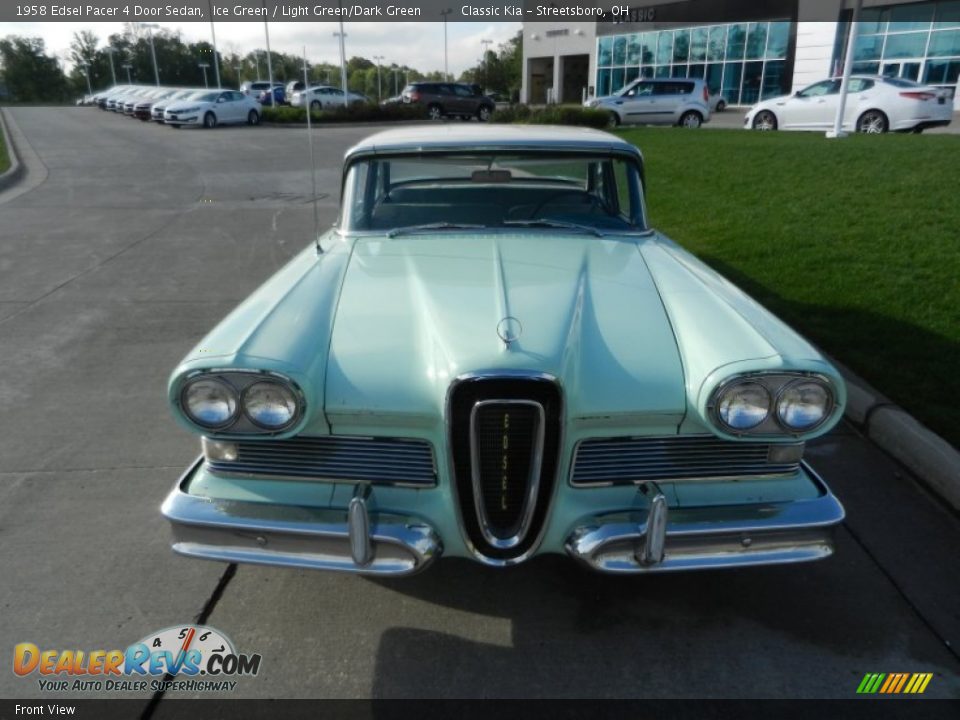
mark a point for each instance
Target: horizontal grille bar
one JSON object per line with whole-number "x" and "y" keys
{"x": 332, "y": 458}
{"x": 614, "y": 461}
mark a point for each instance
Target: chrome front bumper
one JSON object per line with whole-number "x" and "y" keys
{"x": 709, "y": 537}
{"x": 352, "y": 540}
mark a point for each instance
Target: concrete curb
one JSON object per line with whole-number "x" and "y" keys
{"x": 16, "y": 169}
{"x": 892, "y": 429}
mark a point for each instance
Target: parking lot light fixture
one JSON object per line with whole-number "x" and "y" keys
{"x": 379, "y": 59}
{"x": 110, "y": 50}
{"x": 86, "y": 72}
{"x": 150, "y": 27}
{"x": 239, "y": 69}
{"x": 128, "y": 67}
{"x": 343, "y": 62}
{"x": 485, "y": 44}
{"x": 266, "y": 32}
{"x": 446, "y": 68}
{"x": 216, "y": 60}
{"x": 204, "y": 66}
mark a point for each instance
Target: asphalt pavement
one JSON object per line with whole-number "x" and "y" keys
{"x": 125, "y": 243}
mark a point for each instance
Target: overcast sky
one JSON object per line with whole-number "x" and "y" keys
{"x": 416, "y": 44}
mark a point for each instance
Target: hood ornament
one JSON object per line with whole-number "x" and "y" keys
{"x": 509, "y": 329}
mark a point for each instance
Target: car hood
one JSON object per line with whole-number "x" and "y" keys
{"x": 182, "y": 105}
{"x": 416, "y": 312}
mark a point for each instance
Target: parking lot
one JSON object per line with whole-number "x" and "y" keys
{"x": 125, "y": 243}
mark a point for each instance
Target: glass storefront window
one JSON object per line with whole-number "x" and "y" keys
{"x": 905, "y": 45}
{"x": 698, "y": 45}
{"x": 757, "y": 41}
{"x": 948, "y": 13}
{"x": 620, "y": 50}
{"x": 633, "y": 50}
{"x": 915, "y": 16}
{"x": 941, "y": 72}
{"x": 872, "y": 21}
{"x": 866, "y": 68}
{"x": 752, "y": 75}
{"x": 604, "y": 51}
{"x": 616, "y": 80}
{"x": 648, "y": 53}
{"x": 778, "y": 39}
{"x": 632, "y": 74}
{"x": 731, "y": 82}
{"x": 696, "y": 71}
{"x": 603, "y": 82}
{"x": 773, "y": 79}
{"x": 662, "y": 71}
{"x": 944, "y": 43}
{"x": 868, "y": 47}
{"x": 681, "y": 46}
{"x": 715, "y": 77}
{"x": 736, "y": 41}
{"x": 718, "y": 42}
{"x": 664, "y": 46}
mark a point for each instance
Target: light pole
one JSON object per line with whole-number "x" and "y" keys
{"x": 256, "y": 59}
{"x": 343, "y": 63}
{"x": 266, "y": 31}
{"x": 837, "y": 131}
{"x": 204, "y": 66}
{"x": 150, "y": 27}
{"x": 379, "y": 59}
{"x": 127, "y": 67}
{"x": 486, "y": 48}
{"x": 110, "y": 50}
{"x": 446, "y": 70}
{"x": 239, "y": 69}
{"x": 396, "y": 73}
{"x": 86, "y": 72}
{"x": 216, "y": 60}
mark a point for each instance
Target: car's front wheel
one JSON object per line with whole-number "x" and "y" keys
{"x": 691, "y": 119}
{"x": 253, "y": 118}
{"x": 613, "y": 120}
{"x": 873, "y": 122}
{"x": 209, "y": 120}
{"x": 483, "y": 113}
{"x": 765, "y": 120}
{"x": 721, "y": 106}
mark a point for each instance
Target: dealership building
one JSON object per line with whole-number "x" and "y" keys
{"x": 749, "y": 50}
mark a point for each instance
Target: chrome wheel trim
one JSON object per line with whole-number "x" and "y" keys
{"x": 690, "y": 120}
{"x": 210, "y": 120}
{"x": 872, "y": 122}
{"x": 434, "y": 112}
{"x": 764, "y": 121}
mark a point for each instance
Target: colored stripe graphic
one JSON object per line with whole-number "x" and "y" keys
{"x": 894, "y": 683}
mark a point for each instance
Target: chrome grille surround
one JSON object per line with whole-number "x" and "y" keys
{"x": 405, "y": 462}
{"x": 602, "y": 462}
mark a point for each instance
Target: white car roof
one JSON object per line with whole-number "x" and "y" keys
{"x": 488, "y": 137}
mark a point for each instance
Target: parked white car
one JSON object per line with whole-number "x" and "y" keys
{"x": 874, "y": 105}
{"x": 213, "y": 108}
{"x": 322, "y": 97}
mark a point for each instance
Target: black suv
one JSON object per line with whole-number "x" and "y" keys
{"x": 449, "y": 100}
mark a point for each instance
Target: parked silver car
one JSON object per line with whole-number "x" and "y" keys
{"x": 657, "y": 101}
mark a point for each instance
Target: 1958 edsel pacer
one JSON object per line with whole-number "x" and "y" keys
{"x": 492, "y": 355}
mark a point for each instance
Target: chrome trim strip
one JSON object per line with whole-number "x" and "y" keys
{"x": 451, "y": 470}
{"x": 533, "y": 481}
{"x": 655, "y": 537}
{"x": 695, "y": 539}
{"x": 666, "y": 478}
{"x": 294, "y": 536}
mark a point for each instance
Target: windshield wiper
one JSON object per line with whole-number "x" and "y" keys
{"x": 434, "y": 226}
{"x": 544, "y": 222}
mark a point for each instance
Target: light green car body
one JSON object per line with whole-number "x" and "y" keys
{"x": 636, "y": 332}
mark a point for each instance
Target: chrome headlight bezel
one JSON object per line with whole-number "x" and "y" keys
{"x": 244, "y": 402}
{"x": 231, "y": 395}
{"x": 776, "y": 383}
{"x": 239, "y": 381}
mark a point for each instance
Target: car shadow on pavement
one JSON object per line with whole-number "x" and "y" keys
{"x": 790, "y": 631}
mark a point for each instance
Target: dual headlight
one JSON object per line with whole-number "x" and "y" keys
{"x": 236, "y": 401}
{"x": 773, "y": 403}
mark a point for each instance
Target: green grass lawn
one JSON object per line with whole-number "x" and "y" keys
{"x": 855, "y": 243}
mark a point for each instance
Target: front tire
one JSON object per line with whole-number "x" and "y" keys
{"x": 691, "y": 119}
{"x": 435, "y": 112}
{"x": 873, "y": 122}
{"x": 613, "y": 120}
{"x": 483, "y": 113}
{"x": 253, "y": 118}
{"x": 765, "y": 121}
{"x": 209, "y": 121}
{"x": 721, "y": 106}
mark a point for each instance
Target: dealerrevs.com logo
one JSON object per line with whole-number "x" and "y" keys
{"x": 185, "y": 657}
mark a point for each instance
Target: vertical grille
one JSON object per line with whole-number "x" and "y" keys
{"x": 505, "y": 437}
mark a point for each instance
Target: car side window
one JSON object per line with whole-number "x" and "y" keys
{"x": 825, "y": 87}
{"x": 859, "y": 85}
{"x": 223, "y": 97}
{"x": 235, "y": 96}
{"x": 462, "y": 91}
{"x": 640, "y": 90}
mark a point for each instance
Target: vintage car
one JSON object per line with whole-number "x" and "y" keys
{"x": 492, "y": 355}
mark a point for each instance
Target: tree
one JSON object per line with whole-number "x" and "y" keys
{"x": 29, "y": 73}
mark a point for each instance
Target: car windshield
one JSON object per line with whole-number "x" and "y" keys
{"x": 575, "y": 191}
{"x": 205, "y": 96}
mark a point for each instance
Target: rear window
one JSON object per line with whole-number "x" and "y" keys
{"x": 901, "y": 82}
{"x": 673, "y": 88}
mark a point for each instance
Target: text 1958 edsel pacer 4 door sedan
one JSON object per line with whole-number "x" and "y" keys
{"x": 493, "y": 355}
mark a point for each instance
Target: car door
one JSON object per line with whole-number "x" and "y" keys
{"x": 861, "y": 95}
{"x": 465, "y": 101}
{"x": 668, "y": 97}
{"x": 812, "y": 108}
{"x": 637, "y": 103}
